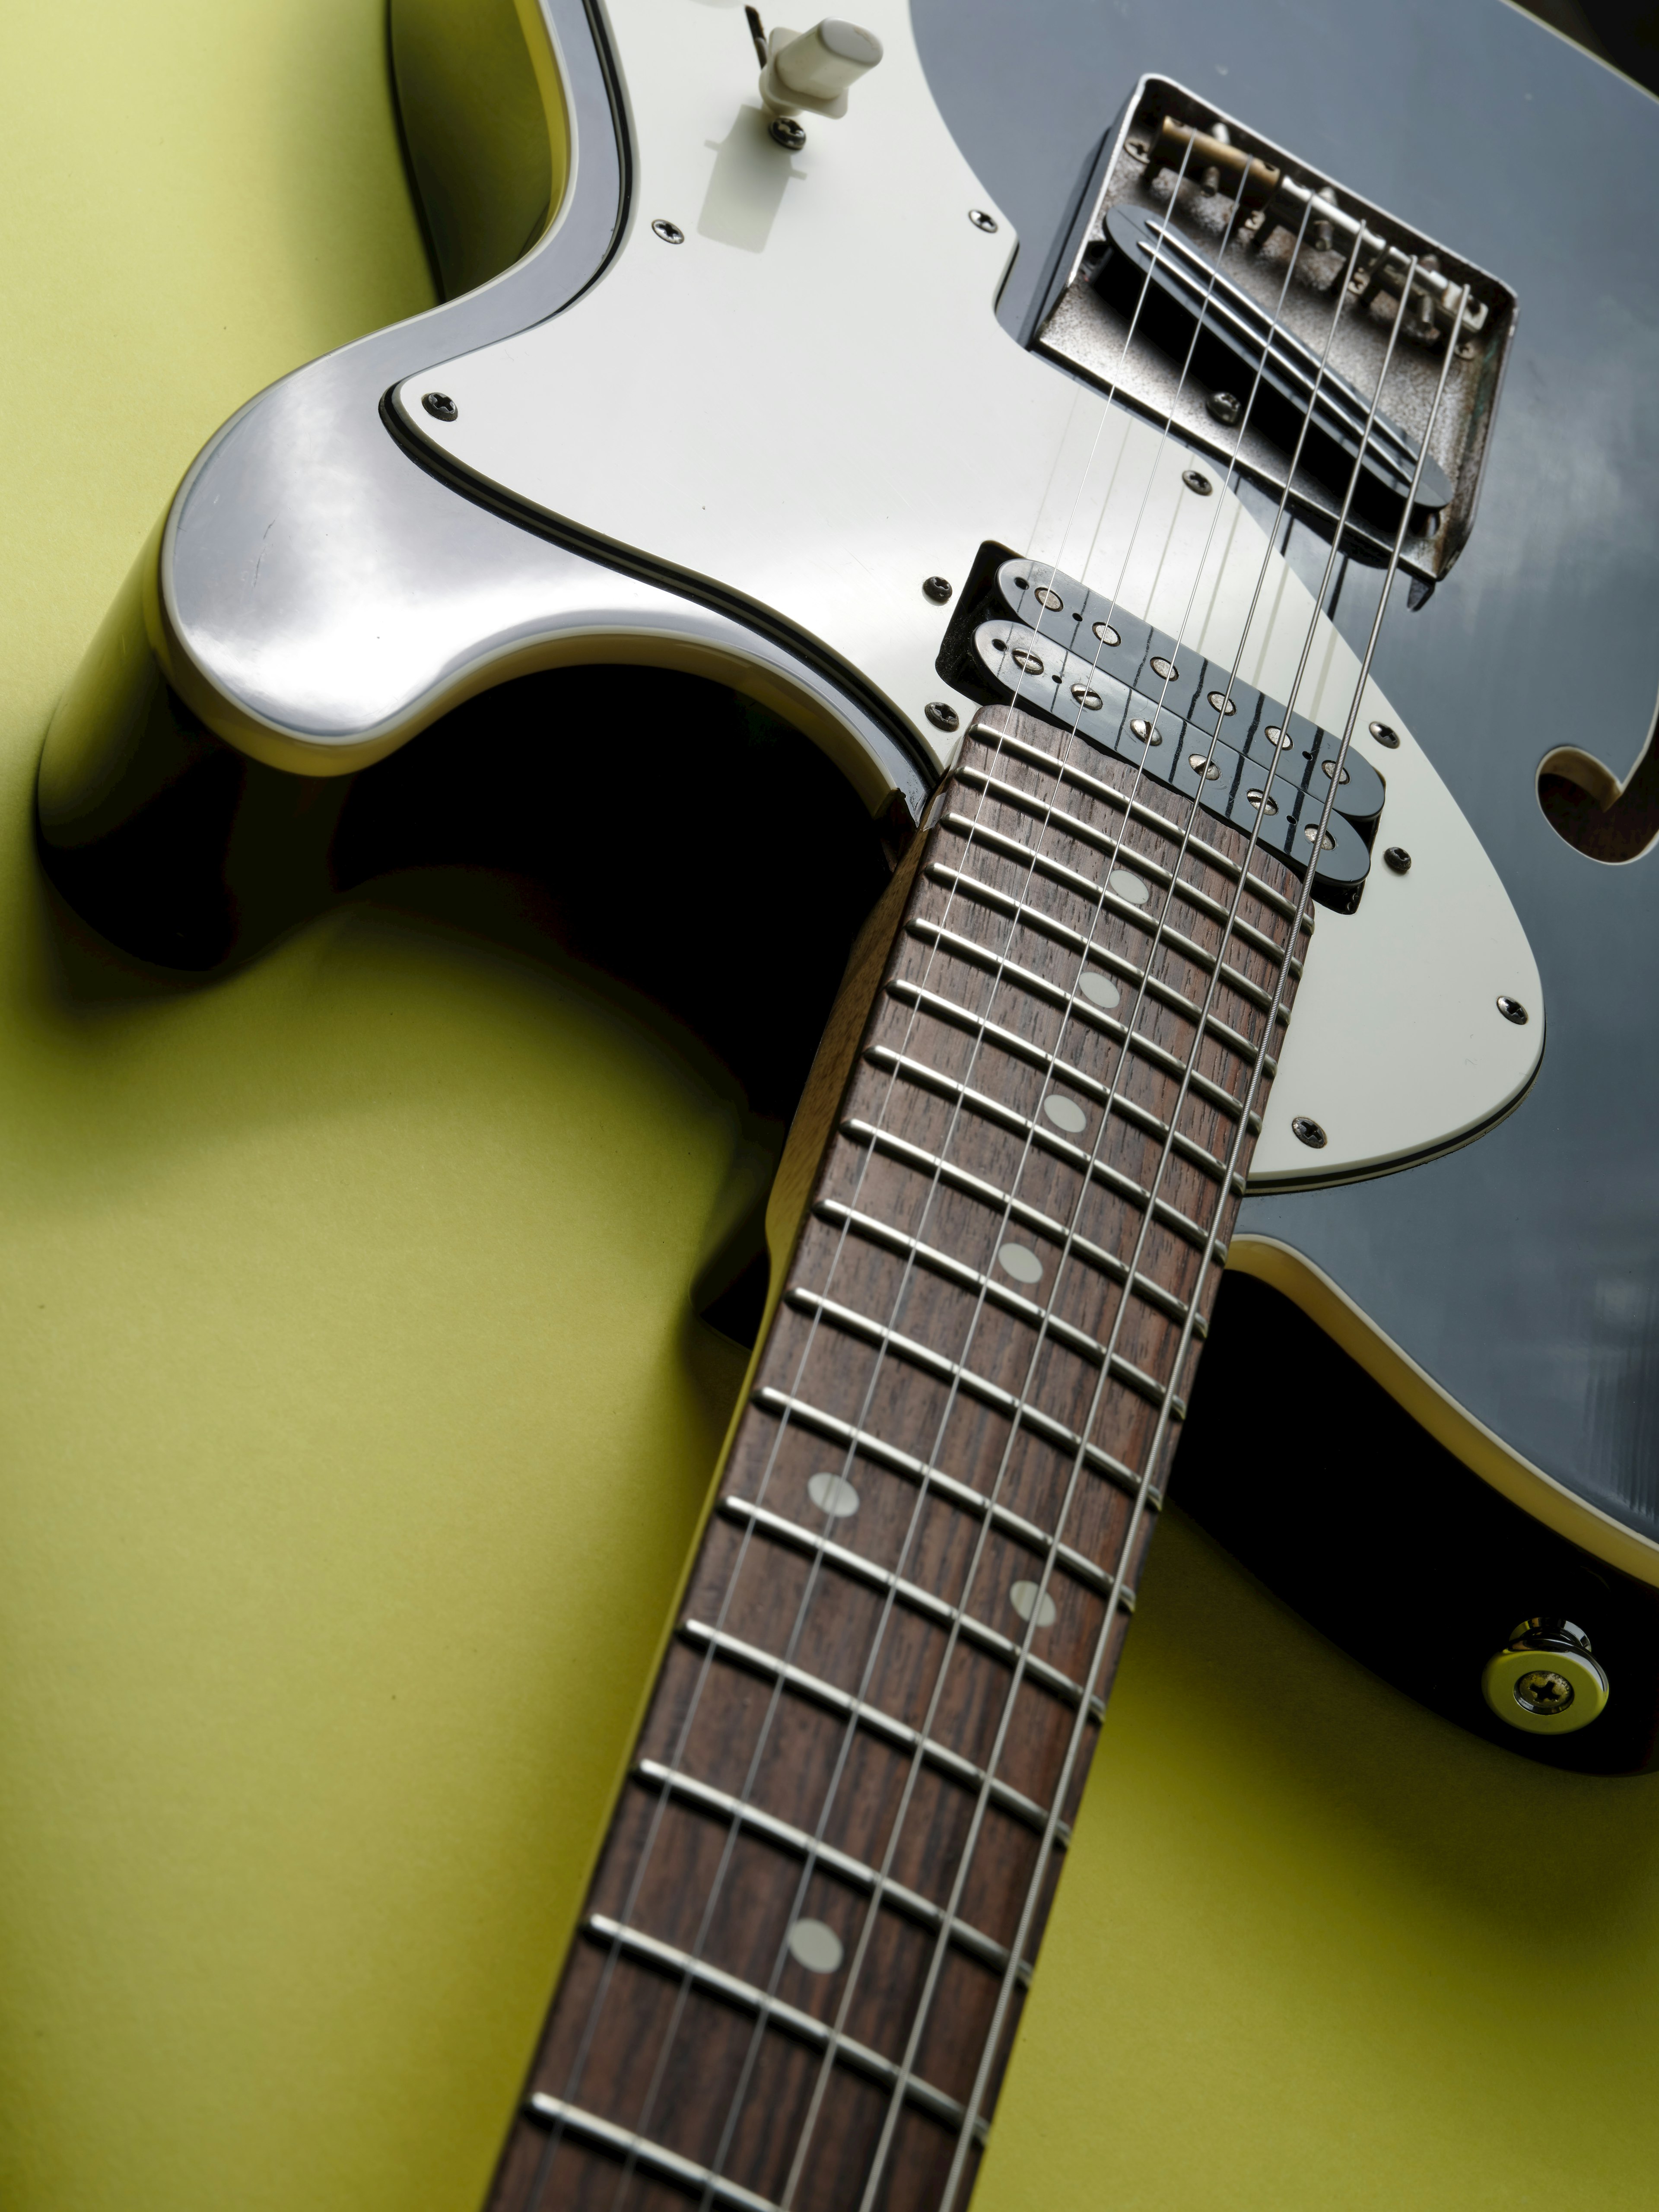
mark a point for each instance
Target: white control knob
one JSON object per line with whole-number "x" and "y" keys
{"x": 811, "y": 69}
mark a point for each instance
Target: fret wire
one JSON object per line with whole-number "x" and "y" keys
{"x": 1018, "y": 1048}
{"x": 911, "y": 1595}
{"x": 1136, "y": 917}
{"x": 1028, "y": 1217}
{"x": 1072, "y": 879}
{"x": 855, "y": 1871}
{"x": 1011, "y": 794}
{"x": 1039, "y": 986}
{"x": 852, "y": 1323}
{"x": 564, "y": 2119}
{"x": 774, "y": 2012}
{"x": 860, "y": 1713}
{"x": 959, "y": 1271}
{"x": 993, "y": 1110}
{"x": 1211, "y": 856}
{"x": 975, "y": 888}
{"x": 834, "y": 1429}
{"x": 1145, "y": 1225}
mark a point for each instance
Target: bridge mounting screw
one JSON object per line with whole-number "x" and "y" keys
{"x": 1512, "y": 1011}
{"x": 1195, "y": 480}
{"x": 937, "y": 589}
{"x": 440, "y": 405}
{"x": 1308, "y": 1131}
{"x": 1224, "y": 408}
{"x": 670, "y": 232}
{"x": 788, "y": 133}
{"x": 1399, "y": 859}
{"x": 942, "y": 715}
{"x": 980, "y": 220}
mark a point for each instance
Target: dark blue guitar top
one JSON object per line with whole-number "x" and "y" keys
{"x": 1522, "y": 1272}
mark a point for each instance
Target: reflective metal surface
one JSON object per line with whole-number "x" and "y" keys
{"x": 1524, "y": 1271}
{"x": 303, "y": 538}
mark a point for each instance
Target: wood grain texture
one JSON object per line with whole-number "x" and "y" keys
{"x": 876, "y": 1714}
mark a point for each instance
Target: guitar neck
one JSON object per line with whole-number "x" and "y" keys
{"x": 800, "y": 1966}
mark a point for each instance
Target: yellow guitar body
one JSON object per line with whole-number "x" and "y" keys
{"x": 355, "y": 1428}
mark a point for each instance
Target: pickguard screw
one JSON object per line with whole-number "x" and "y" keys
{"x": 980, "y": 220}
{"x": 1399, "y": 859}
{"x": 942, "y": 715}
{"x": 1512, "y": 1011}
{"x": 789, "y": 133}
{"x": 1385, "y": 735}
{"x": 937, "y": 589}
{"x": 1224, "y": 408}
{"x": 440, "y": 404}
{"x": 1309, "y": 1132}
{"x": 670, "y": 232}
{"x": 1195, "y": 480}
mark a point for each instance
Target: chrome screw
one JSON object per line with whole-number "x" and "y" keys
{"x": 1385, "y": 735}
{"x": 1195, "y": 480}
{"x": 1309, "y": 1132}
{"x": 670, "y": 232}
{"x": 980, "y": 220}
{"x": 936, "y": 588}
{"x": 1224, "y": 408}
{"x": 1512, "y": 1011}
{"x": 942, "y": 715}
{"x": 440, "y": 404}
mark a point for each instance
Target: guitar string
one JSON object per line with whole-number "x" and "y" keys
{"x": 941, "y": 1941}
{"x": 988, "y": 2061}
{"x": 869, "y": 1910}
{"x": 1200, "y": 563}
{"x": 660, "y": 1809}
{"x": 1253, "y": 394}
{"x": 1224, "y": 242}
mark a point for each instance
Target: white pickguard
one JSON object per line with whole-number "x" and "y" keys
{"x": 810, "y": 402}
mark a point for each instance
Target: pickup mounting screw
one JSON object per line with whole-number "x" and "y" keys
{"x": 980, "y": 220}
{"x": 942, "y": 715}
{"x": 1385, "y": 735}
{"x": 1399, "y": 859}
{"x": 788, "y": 133}
{"x": 670, "y": 232}
{"x": 1224, "y": 408}
{"x": 1512, "y": 1011}
{"x": 1308, "y": 1131}
{"x": 440, "y": 405}
{"x": 1195, "y": 480}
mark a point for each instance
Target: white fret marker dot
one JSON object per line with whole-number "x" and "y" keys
{"x": 1026, "y": 1599}
{"x": 816, "y": 1946}
{"x": 1020, "y": 1261}
{"x": 1100, "y": 988}
{"x": 833, "y": 1494}
{"x": 1129, "y": 886}
{"x": 1064, "y": 1115}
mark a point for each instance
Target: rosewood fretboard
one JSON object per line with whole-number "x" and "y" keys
{"x": 801, "y": 1963}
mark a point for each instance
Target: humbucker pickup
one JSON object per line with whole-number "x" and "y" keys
{"x": 1033, "y": 635}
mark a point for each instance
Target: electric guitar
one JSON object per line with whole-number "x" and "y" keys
{"x": 1080, "y": 565}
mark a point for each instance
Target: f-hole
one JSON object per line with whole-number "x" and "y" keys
{"x": 1585, "y": 802}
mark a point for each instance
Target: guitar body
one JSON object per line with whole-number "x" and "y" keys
{"x": 1477, "y": 1316}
